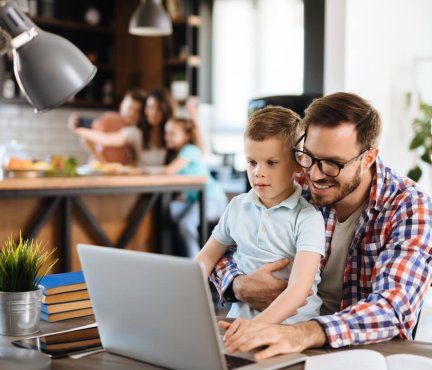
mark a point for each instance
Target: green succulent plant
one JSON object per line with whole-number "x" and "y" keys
{"x": 21, "y": 265}
{"x": 422, "y": 140}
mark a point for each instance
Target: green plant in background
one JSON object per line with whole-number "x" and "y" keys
{"x": 21, "y": 263}
{"x": 422, "y": 141}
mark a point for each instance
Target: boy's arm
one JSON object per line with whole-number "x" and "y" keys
{"x": 301, "y": 279}
{"x": 211, "y": 254}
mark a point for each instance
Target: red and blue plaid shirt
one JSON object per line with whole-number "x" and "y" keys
{"x": 389, "y": 265}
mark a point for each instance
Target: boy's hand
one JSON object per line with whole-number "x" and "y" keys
{"x": 260, "y": 288}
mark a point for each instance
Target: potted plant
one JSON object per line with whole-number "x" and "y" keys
{"x": 21, "y": 269}
{"x": 422, "y": 141}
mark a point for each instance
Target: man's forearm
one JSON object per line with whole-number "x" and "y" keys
{"x": 312, "y": 333}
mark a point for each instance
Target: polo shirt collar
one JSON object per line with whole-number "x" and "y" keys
{"x": 290, "y": 202}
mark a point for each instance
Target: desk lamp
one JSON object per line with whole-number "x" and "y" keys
{"x": 150, "y": 19}
{"x": 49, "y": 69}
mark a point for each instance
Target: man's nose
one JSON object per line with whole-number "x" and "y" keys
{"x": 315, "y": 173}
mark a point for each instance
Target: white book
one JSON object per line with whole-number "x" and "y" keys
{"x": 365, "y": 359}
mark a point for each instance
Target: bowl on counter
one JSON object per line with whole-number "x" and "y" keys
{"x": 23, "y": 173}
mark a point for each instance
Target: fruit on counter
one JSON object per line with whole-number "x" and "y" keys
{"x": 14, "y": 164}
{"x": 62, "y": 165}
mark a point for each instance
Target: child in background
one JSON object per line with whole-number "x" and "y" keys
{"x": 272, "y": 221}
{"x": 181, "y": 141}
{"x": 105, "y": 144}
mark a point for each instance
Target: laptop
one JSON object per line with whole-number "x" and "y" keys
{"x": 158, "y": 309}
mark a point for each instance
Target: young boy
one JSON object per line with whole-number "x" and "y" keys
{"x": 272, "y": 221}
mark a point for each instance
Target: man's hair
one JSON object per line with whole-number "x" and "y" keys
{"x": 274, "y": 121}
{"x": 335, "y": 109}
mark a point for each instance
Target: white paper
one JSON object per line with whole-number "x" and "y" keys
{"x": 363, "y": 359}
{"x": 356, "y": 359}
{"x": 405, "y": 362}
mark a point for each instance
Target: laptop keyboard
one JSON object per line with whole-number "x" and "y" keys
{"x": 234, "y": 362}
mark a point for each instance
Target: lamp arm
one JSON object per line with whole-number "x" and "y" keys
{"x": 24, "y": 38}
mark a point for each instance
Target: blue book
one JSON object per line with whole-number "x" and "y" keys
{"x": 64, "y": 282}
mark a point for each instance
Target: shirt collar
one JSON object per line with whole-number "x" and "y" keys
{"x": 290, "y": 202}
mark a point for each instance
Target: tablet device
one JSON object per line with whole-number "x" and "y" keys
{"x": 63, "y": 343}
{"x": 85, "y": 122}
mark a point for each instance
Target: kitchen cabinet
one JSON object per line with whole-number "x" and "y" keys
{"x": 99, "y": 28}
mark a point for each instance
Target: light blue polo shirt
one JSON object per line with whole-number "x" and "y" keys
{"x": 264, "y": 235}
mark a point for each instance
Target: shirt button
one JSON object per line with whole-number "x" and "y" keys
{"x": 263, "y": 229}
{"x": 266, "y": 214}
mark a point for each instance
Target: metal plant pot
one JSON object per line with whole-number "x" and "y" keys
{"x": 20, "y": 312}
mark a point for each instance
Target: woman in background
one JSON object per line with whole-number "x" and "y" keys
{"x": 181, "y": 138}
{"x": 158, "y": 109}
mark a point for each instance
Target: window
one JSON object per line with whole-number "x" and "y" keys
{"x": 258, "y": 48}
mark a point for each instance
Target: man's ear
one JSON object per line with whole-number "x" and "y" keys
{"x": 298, "y": 168}
{"x": 370, "y": 158}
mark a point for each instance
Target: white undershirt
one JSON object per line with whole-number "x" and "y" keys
{"x": 330, "y": 289}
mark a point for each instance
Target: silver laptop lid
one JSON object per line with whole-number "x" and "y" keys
{"x": 152, "y": 308}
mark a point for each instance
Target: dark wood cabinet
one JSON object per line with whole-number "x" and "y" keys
{"x": 99, "y": 28}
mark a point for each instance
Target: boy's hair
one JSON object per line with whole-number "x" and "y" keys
{"x": 341, "y": 107}
{"x": 189, "y": 127}
{"x": 275, "y": 121}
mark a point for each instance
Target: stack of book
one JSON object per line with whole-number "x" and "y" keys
{"x": 65, "y": 296}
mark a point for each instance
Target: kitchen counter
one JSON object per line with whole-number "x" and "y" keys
{"x": 118, "y": 211}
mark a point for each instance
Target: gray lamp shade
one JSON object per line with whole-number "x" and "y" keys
{"x": 49, "y": 69}
{"x": 150, "y": 19}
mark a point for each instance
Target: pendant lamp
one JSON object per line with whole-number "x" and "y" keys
{"x": 150, "y": 19}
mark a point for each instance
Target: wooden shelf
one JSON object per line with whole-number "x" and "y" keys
{"x": 64, "y": 23}
{"x": 85, "y": 103}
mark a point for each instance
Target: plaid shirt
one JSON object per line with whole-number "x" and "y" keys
{"x": 389, "y": 265}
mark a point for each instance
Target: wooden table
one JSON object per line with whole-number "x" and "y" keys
{"x": 110, "y": 209}
{"x": 105, "y": 360}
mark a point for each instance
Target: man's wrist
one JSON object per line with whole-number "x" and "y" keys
{"x": 230, "y": 292}
{"x": 313, "y": 334}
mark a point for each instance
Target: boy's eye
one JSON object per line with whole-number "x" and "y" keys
{"x": 272, "y": 163}
{"x": 251, "y": 162}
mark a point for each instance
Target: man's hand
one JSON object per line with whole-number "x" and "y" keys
{"x": 246, "y": 335}
{"x": 260, "y": 288}
{"x": 73, "y": 121}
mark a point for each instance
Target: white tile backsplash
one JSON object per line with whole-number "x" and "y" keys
{"x": 43, "y": 134}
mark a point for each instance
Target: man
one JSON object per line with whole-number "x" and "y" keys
{"x": 378, "y": 264}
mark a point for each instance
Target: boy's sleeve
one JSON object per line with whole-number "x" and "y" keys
{"x": 310, "y": 236}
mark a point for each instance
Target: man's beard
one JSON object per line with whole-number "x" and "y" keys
{"x": 345, "y": 190}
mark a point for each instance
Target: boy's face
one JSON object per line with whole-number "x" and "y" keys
{"x": 270, "y": 169}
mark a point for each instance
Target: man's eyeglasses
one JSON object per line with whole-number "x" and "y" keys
{"x": 328, "y": 167}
